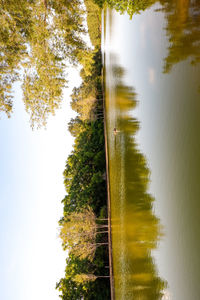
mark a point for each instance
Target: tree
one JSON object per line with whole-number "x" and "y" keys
{"x": 131, "y": 7}
{"x": 82, "y": 278}
{"x": 75, "y": 126}
{"x": 93, "y": 22}
{"x": 38, "y": 36}
{"x": 42, "y": 85}
{"x": 78, "y": 232}
{"x": 71, "y": 289}
{"x": 14, "y": 30}
{"x": 68, "y": 288}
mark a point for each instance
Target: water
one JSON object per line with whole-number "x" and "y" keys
{"x": 152, "y": 76}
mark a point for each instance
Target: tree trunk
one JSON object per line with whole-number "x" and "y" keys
{"x": 45, "y": 3}
{"x": 100, "y": 244}
{"x": 102, "y": 226}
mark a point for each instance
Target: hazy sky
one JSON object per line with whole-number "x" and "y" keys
{"x": 31, "y": 190}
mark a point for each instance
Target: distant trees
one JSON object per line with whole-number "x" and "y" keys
{"x": 75, "y": 126}
{"x": 93, "y": 22}
{"x": 83, "y": 175}
{"x": 79, "y": 281}
{"x": 67, "y": 286}
{"x": 78, "y": 232}
{"x": 85, "y": 99}
{"x": 84, "y": 234}
{"x": 83, "y": 227}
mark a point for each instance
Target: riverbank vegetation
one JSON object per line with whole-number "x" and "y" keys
{"x": 84, "y": 226}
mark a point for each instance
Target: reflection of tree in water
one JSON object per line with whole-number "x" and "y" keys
{"x": 131, "y": 7}
{"x": 183, "y": 30}
{"x": 143, "y": 229}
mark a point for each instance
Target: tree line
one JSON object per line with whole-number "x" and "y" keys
{"x": 83, "y": 226}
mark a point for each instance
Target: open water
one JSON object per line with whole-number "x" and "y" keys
{"x": 152, "y": 78}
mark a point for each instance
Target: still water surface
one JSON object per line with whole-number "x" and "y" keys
{"x": 152, "y": 76}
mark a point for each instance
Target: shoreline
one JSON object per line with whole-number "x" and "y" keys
{"x": 112, "y": 291}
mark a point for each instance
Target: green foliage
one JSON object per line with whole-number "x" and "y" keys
{"x": 81, "y": 278}
{"x": 42, "y": 86}
{"x": 85, "y": 99}
{"x": 131, "y": 7}
{"x": 14, "y": 30}
{"x": 103, "y": 212}
{"x": 78, "y": 232}
{"x": 38, "y": 36}
{"x": 84, "y": 180}
{"x": 93, "y": 22}
{"x": 100, "y": 3}
{"x": 71, "y": 290}
{"x": 68, "y": 288}
{"x": 83, "y": 175}
{"x": 85, "y": 185}
{"x": 75, "y": 126}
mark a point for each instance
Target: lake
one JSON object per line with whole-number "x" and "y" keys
{"x": 152, "y": 79}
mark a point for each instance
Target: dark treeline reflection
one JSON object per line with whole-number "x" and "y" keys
{"x": 182, "y": 27}
{"x": 183, "y": 31}
{"x": 136, "y": 229}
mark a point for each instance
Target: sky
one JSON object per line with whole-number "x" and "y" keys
{"x": 31, "y": 190}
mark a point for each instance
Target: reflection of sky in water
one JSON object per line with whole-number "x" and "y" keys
{"x": 168, "y": 112}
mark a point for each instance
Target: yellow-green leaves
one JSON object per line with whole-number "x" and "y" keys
{"x": 37, "y": 37}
